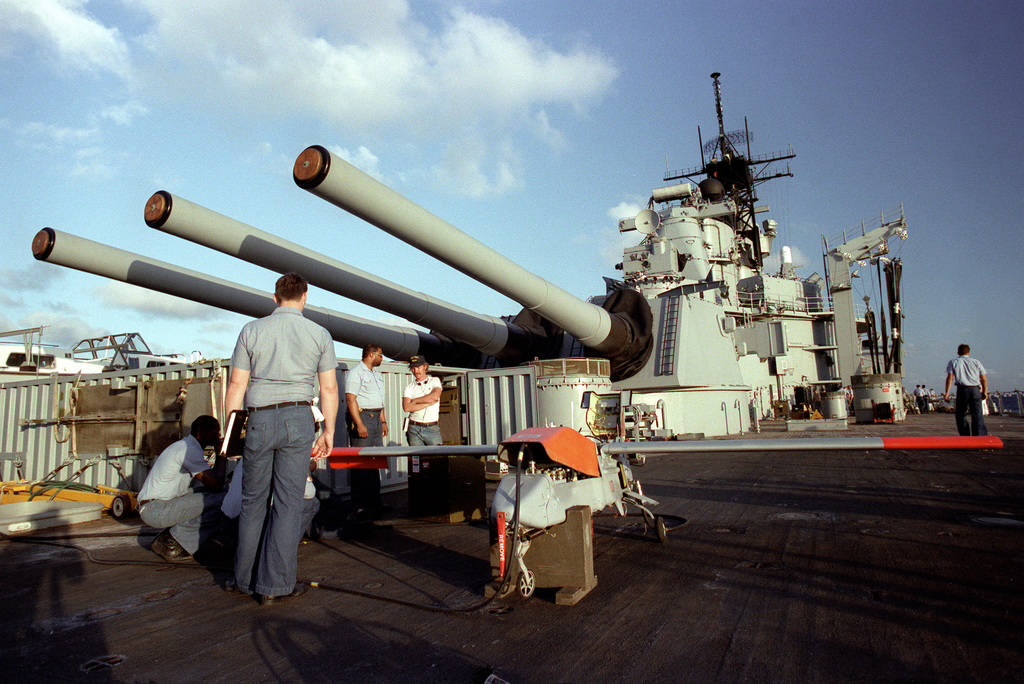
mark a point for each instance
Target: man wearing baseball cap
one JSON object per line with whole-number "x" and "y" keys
{"x": 421, "y": 401}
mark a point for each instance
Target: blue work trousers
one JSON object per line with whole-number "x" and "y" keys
{"x": 192, "y": 518}
{"x": 968, "y": 401}
{"x": 364, "y": 483}
{"x": 278, "y": 444}
{"x": 423, "y": 435}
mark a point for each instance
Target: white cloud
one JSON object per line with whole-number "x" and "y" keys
{"x": 125, "y": 113}
{"x": 62, "y": 330}
{"x": 77, "y": 151}
{"x": 33, "y": 278}
{"x": 64, "y": 26}
{"x": 606, "y": 242}
{"x": 545, "y": 131}
{"x": 472, "y": 82}
{"x": 486, "y": 64}
{"x": 625, "y": 210}
{"x": 476, "y": 169}
{"x": 150, "y": 303}
{"x": 90, "y": 162}
{"x": 49, "y": 137}
{"x": 611, "y": 244}
{"x": 362, "y": 159}
{"x": 370, "y": 71}
{"x": 232, "y": 324}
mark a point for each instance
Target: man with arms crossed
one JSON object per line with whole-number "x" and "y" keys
{"x": 420, "y": 400}
{"x": 276, "y": 362}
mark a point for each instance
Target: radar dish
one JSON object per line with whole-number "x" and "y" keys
{"x": 647, "y": 221}
{"x": 733, "y": 139}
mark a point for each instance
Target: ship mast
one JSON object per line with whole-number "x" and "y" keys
{"x": 722, "y": 140}
{"x": 738, "y": 173}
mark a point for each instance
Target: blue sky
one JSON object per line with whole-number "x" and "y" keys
{"x": 532, "y": 126}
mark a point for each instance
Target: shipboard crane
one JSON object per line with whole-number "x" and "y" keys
{"x": 870, "y": 245}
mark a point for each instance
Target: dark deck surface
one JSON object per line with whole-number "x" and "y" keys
{"x": 892, "y": 566}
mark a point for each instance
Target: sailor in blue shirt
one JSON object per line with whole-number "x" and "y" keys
{"x": 277, "y": 362}
{"x": 367, "y": 426}
{"x": 971, "y": 391}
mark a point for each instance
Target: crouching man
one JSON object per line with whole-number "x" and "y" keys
{"x": 183, "y": 493}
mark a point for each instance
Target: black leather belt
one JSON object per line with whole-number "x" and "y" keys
{"x": 416, "y": 422}
{"x": 370, "y": 410}
{"x": 283, "y": 404}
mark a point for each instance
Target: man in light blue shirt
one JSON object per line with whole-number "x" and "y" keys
{"x": 274, "y": 368}
{"x": 367, "y": 426}
{"x": 971, "y": 391}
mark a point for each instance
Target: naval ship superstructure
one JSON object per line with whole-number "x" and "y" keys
{"x": 732, "y": 340}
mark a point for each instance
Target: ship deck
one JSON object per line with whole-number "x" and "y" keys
{"x": 857, "y": 566}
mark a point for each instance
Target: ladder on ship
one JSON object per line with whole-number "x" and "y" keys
{"x": 669, "y": 325}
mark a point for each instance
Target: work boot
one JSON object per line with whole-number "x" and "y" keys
{"x": 168, "y": 548}
{"x": 299, "y": 590}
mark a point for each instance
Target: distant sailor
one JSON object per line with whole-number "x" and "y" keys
{"x": 421, "y": 401}
{"x": 183, "y": 493}
{"x": 971, "y": 391}
{"x": 276, "y": 363}
{"x": 925, "y": 404}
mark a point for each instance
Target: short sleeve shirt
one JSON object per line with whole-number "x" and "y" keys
{"x": 414, "y": 390}
{"x": 283, "y": 353}
{"x": 173, "y": 471}
{"x": 367, "y": 384}
{"x": 966, "y": 371}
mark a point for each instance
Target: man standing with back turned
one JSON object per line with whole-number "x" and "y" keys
{"x": 273, "y": 368}
{"x": 971, "y": 390}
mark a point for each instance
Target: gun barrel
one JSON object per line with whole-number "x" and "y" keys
{"x": 345, "y": 186}
{"x": 185, "y": 219}
{"x": 79, "y": 253}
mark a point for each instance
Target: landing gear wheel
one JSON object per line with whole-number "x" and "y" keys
{"x": 649, "y": 520}
{"x": 120, "y": 507}
{"x": 661, "y": 530}
{"x": 527, "y": 583}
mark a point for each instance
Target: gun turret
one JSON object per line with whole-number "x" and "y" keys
{"x": 490, "y": 335}
{"x": 82, "y": 254}
{"x": 620, "y": 330}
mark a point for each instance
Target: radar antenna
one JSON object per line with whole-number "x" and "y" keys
{"x": 738, "y": 173}
{"x": 718, "y": 104}
{"x": 726, "y": 143}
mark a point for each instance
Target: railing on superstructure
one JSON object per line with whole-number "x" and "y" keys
{"x": 1008, "y": 403}
{"x": 864, "y": 228}
{"x": 761, "y": 303}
